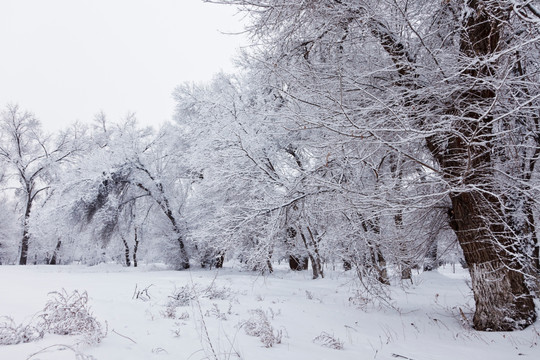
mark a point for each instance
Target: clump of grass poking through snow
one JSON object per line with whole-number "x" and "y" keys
{"x": 69, "y": 314}
{"x": 329, "y": 341}
{"x": 258, "y": 325}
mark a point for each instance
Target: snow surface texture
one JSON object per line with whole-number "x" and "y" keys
{"x": 151, "y": 313}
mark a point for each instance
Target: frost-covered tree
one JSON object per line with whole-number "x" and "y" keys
{"x": 124, "y": 195}
{"x": 262, "y": 186}
{"x": 451, "y": 89}
{"x": 30, "y": 157}
{"x": 233, "y": 158}
{"x": 136, "y": 176}
{"x": 248, "y": 164}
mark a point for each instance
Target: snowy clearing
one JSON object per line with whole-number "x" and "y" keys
{"x": 152, "y": 313}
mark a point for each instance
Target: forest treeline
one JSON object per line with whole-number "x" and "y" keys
{"x": 374, "y": 136}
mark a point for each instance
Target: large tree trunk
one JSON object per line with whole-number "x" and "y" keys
{"x": 492, "y": 251}
{"x": 503, "y": 302}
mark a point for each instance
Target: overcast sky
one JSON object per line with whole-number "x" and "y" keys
{"x": 66, "y": 60}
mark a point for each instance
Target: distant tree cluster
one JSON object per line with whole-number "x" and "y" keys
{"x": 377, "y": 136}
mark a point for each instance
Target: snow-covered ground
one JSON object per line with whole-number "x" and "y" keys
{"x": 424, "y": 322}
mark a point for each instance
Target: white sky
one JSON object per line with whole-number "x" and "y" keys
{"x": 66, "y": 60}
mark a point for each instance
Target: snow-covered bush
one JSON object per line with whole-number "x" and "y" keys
{"x": 11, "y": 333}
{"x": 69, "y": 314}
{"x": 214, "y": 292}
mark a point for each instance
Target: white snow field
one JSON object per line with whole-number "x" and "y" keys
{"x": 215, "y": 310}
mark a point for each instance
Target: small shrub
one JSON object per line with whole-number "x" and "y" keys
{"x": 329, "y": 341}
{"x": 258, "y": 325}
{"x": 214, "y": 292}
{"x": 180, "y": 297}
{"x": 183, "y": 316}
{"x": 184, "y": 295}
{"x": 11, "y": 333}
{"x": 216, "y": 312}
{"x": 169, "y": 312}
{"x": 69, "y": 314}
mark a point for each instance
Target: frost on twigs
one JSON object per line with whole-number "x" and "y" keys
{"x": 69, "y": 314}
{"x": 11, "y": 333}
{"x": 184, "y": 295}
{"x": 64, "y": 314}
{"x": 329, "y": 341}
{"x": 258, "y": 325}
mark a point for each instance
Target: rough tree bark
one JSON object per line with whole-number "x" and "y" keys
{"x": 503, "y": 301}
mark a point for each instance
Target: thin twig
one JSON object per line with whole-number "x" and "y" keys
{"x": 124, "y": 336}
